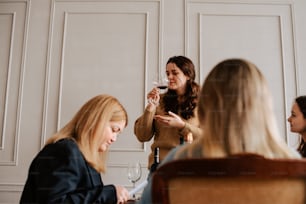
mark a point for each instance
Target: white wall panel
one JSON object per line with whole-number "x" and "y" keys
{"x": 102, "y": 47}
{"x": 7, "y": 20}
{"x": 259, "y": 32}
{"x": 13, "y": 23}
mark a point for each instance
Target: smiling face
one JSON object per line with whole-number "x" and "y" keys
{"x": 177, "y": 79}
{"x": 297, "y": 121}
{"x": 110, "y": 133}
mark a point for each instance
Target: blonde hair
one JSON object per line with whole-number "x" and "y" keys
{"x": 236, "y": 113}
{"x": 93, "y": 114}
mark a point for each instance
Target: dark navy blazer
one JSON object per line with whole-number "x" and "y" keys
{"x": 60, "y": 174}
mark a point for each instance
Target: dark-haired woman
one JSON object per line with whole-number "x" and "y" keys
{"x": 297, "y": 121}
{"x": 172, "y": 115}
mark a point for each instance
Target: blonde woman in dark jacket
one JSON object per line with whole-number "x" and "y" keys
{"x": 67, "y": 169}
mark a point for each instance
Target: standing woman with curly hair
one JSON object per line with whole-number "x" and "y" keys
{"x": 172, "y": 115}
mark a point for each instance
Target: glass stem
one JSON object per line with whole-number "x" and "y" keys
{"x": 134, "y": 196}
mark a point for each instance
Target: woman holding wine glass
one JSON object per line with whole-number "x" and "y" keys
{"x": 172, "y": 115}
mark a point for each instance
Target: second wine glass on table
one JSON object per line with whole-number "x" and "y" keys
{"x": 134, "y": 173}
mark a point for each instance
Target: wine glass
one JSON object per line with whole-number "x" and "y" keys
{"x": 134, "y": 173}
{"x": 161, "y": 83}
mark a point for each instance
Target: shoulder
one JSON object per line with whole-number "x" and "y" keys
{"x": 64, "y": 149}
{"x": 193, "y": 150}
{"x": 63, "y": 146}
{"x": 61, "y": 154}
{"x": 171, "y": 155}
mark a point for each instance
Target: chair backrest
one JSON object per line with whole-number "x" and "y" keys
{"x": 240, "y": 179}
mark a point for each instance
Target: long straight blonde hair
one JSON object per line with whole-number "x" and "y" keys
{"x": 236, "y": 113}
{"x": 83, "y": 126}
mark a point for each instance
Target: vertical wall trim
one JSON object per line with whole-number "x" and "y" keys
{"x": 21, "y": 79}
{"x": 47, "y": 76}
{"x": 8, "y": 81}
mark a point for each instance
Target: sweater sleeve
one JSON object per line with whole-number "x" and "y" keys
{"x": 195, "y": 130}
{"x": 143, "y": 127}
{"x": 192, "y": 126}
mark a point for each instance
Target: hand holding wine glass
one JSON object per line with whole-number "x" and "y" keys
{"x": 153, "y": 96}
{"x": 160, "y": 86}
{"x": 134, "y": 173}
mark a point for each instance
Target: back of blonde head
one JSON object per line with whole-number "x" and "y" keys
{"x": 236, "y": 112}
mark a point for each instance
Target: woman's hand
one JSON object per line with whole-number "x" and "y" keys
{"x": 153, "y": 97}
{"x": 122, "y": 194}
{"x": 172, "y": 120}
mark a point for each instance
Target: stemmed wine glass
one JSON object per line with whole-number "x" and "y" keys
{"x": 134, "y": 173}
{"x": 161, "y": 83}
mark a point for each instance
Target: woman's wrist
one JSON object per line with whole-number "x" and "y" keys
{"x": 153, "y": 102}
{"x": 151, "y": 107}
{"x": 182, "y": 126}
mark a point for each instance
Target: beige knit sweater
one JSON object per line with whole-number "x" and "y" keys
{"x": 166, "y": 138}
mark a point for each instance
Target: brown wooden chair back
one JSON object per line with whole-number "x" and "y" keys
{"x": 240, "y": 179}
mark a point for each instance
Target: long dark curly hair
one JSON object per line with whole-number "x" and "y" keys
{"x": 301, "y": 102}
{"x": 190, "y": 99}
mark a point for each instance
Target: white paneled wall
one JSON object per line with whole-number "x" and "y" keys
{"x": 260, "y": 32}
{"x": 56, "y": 54}
{"x": 13, "y": 34}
